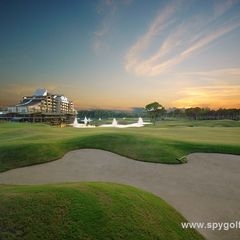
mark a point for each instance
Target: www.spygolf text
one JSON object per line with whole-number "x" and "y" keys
{"x": 212, "y": 225}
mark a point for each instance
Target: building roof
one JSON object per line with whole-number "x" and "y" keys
{"x": 40, "y": 92}
{"x": 30, "y": 102}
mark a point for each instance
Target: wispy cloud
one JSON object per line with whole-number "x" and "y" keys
{"x": 220, "y": 7}
{"x": 180, "y": 37}
{"x": 160, "y": 23}
{"x": 211, "y": 96}
{"x": 107, "y": 9}
{"x": 226, "y": 75}
{"x": 213, "y": 88}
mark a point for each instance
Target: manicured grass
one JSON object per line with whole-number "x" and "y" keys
{"x": 87, "y": 211}
{"x": 26, "y": 144}
{"x": 200, "y": 123}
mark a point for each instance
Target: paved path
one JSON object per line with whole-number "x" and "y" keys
{"x": 206, "y": 189}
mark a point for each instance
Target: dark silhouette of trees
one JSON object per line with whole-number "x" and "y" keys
{"x": 155, "y": 110}
{"x": 208, "y": 114}
{"x": 106, "y": 113}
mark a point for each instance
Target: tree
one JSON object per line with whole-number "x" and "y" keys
{"x": 154, "y": 110}
{"x": 193, "y": 112}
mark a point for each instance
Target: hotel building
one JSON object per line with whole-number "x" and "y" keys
{"x": 43, "y": 106}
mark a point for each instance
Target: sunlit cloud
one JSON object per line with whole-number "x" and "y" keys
{"x": 223, "y": 96}
{"x": 226, "y": 76}
{"x": 209, "y": 38}
{"x": 178, "y": 38}
{"x": 160, "y": 23}
{"x": 213, "y": 88}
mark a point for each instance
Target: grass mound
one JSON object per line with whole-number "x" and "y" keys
{"x": 27, "y": 144}
{"x": 87, "y": 211}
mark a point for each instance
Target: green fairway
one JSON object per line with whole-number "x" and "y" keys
{"x": 87, "y": 211}
{"x": 23, "y": 144}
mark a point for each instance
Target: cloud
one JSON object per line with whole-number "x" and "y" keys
{"x": 210, "y": 37}
{"x": 160, "y": 23}
{"x": 227, "y": 76}
{"x": 223, "y": 96}
{"x": 213, "y": 88}
{"x": 180, "y": 36}
{"x": 221, "y": 7}
{"x": 107, "y": 10}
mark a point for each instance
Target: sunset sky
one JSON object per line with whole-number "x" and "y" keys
{"x": 122, "y": 54}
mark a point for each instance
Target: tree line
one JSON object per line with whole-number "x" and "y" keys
{"x": 106, "y": 113}
{"x": 198, "y": 113}
{"x": 156, "y": 111}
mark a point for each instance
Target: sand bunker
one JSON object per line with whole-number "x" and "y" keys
{"x": 206, "y": 189}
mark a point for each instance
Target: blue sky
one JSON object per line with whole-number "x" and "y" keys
{"x": 122, "y": 54}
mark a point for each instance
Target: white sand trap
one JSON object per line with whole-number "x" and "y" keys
{"x": 206, "y": 189}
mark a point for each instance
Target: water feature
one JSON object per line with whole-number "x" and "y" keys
{"x": 79, "y": 125}
{"x": 75, "y": 123}
{"x": 85, "y": 121}
{"x": 140, "y": 121}
{"x": 114, "y": 122}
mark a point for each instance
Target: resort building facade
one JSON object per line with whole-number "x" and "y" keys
{"x": 42, "y": 106}
{"x": 43, "y": 102}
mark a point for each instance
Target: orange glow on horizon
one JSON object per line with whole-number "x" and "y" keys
{"x": 211, "y": 97}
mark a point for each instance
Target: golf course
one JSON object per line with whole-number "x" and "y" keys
{"x": 119, "y": 120}
{"x": 23, "y": 144}
{"x": 97, "y": 209}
